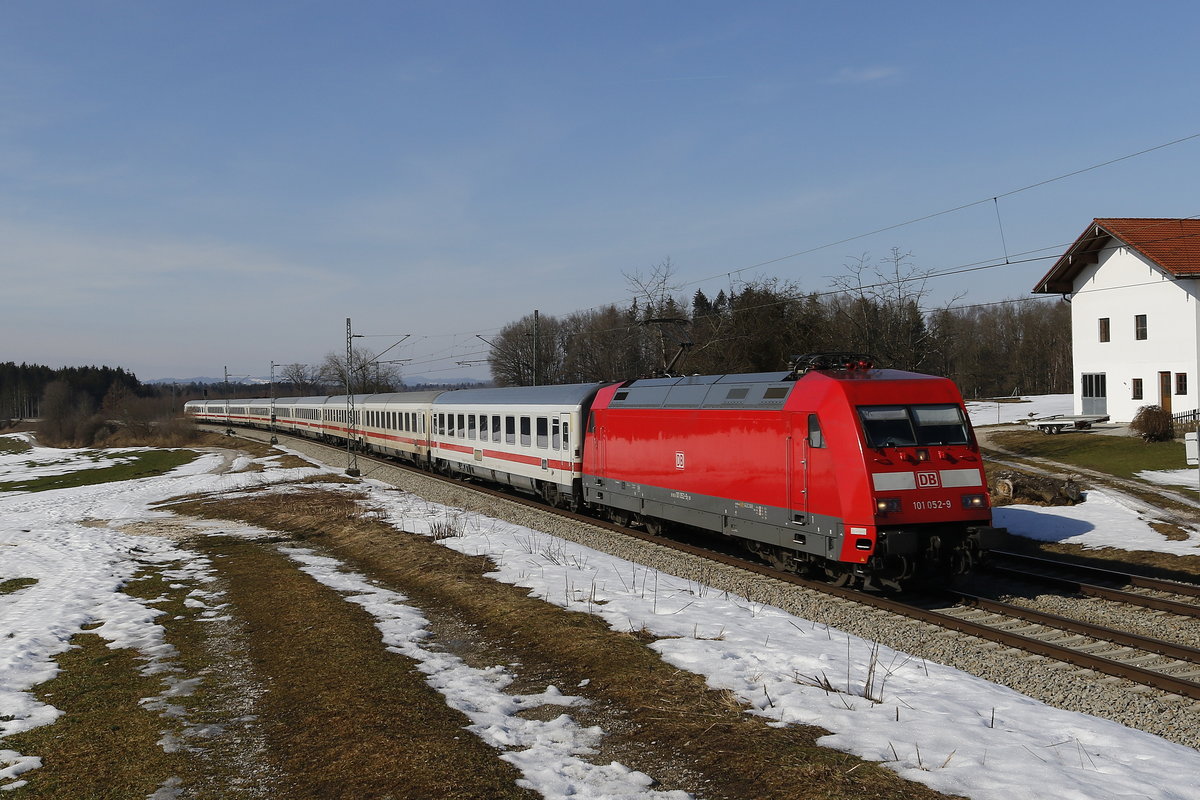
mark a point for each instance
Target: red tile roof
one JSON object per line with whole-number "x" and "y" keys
{"x": 1173, "y": 244}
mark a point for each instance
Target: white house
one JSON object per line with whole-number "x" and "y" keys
{"x": 1134, "y": 287}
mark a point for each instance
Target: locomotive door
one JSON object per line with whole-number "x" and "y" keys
{"x": 797, "y": 471}
{"x": 562, "y": 446}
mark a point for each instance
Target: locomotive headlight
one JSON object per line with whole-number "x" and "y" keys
{"x": 886, "y": 505}
{"x": 970, "y": 501}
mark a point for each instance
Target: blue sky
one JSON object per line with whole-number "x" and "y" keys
{"x": 191, "y": 186}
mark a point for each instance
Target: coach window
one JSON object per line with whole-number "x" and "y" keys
{"x": 470, "y": 426}
{"x": 510, "y": 430}
{"x": 526, "y": 432}
{"x": 815, "y": 439}
{"x": 462, "y": 427}
{"x": 483, "y": 428}
{"x": 496, "y": 433}
{"x": 543, "y": 433}
{"x": 566, "y": 436}
{"x": 555, "y": 439}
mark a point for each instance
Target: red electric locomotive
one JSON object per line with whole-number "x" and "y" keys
{"x": 864, "y": 475}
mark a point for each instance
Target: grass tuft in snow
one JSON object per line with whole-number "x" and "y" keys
{"x": 15, "y": 584}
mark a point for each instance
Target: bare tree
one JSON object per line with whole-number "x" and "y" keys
{"x": 529, "y": 352}
{"x": 882, "y": 308}
{"x": 364, "y": 374}
{"x": 301, "y": 376}
{"x": 660, "y": 313}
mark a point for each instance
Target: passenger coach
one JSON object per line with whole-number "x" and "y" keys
{"x": 528, "y": 437}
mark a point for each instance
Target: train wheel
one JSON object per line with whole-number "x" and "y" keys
{"x": 838, "y": 576}
{"x": 550, "y": 494}
{"x": 653, "y": 526}
{"x": 619, "y": 517}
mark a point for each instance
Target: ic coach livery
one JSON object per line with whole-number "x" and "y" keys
{"x": 835, "y": 468}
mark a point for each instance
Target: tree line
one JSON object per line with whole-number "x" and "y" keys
{"x": 876, "y": 308}
{"x": 22, "y": 386}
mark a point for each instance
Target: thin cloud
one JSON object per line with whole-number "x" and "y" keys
{"x": 865, "y": 74}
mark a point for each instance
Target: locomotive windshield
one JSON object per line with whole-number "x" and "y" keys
{"x": 909, "y": 426}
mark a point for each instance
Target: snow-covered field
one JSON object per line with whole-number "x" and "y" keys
{"x": 932, "y": 724}
{"x": 987, "y": 412}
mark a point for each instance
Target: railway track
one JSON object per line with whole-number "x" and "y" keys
{"x": 1122, "y": 587}
{"x": 1140, "y": 659}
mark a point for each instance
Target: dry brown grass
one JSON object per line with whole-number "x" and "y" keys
{"x": 1172, "y": 533}
{"x": 1155, "y": 565}
{"x": 15, "y": 584}
{"x": 105, "y": 744}
{"x": 659, "y": 719}
{"x": 342, "y": 716}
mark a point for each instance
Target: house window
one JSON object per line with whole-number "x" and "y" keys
{"x": 1180, "y": 383}
{"x": 1139, "y": 326}
{"x": 1137, "y": 388}
{"x": 1104, "y": 329}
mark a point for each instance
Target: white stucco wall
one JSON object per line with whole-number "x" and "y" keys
{"x": 1120, "y": 286}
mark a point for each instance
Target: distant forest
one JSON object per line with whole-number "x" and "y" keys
{"x": 990, "y": 350}
{"x": 22, "y": 386}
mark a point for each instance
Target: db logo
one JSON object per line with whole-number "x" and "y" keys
{"x": 928, "y": 480}
{"x": 678, "y": 460}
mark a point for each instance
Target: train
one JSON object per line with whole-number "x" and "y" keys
{"x": 834, "y": 468}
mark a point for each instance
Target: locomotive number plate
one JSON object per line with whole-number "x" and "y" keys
{"x": 932, "y": 505}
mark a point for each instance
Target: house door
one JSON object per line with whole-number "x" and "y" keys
{"x": 1164, "y": 391}
{"x": 1094, "y": 393}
